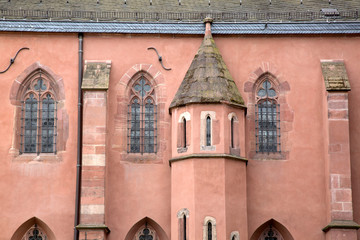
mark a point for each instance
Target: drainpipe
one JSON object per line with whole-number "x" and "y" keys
{"x": 79, "y": 141}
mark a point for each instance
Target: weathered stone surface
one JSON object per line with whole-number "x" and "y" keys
{"x": 96, "y": 75}
{"x": 335, "y": 76}
{"x": 208, "y": 80}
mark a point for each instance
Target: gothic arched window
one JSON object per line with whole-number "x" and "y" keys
{"x": 267, "y": 119}
{"x": 142, "y": 117}
{"x": 38, "y": 117}
{"x": 35, "y": 233}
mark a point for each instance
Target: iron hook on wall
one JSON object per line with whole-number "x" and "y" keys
{"x": 12, "y": 60}
{"x": 160, "y": 58}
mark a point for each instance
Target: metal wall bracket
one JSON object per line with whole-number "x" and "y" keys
{"x": 160, "y": 58}
{"x": 12, "y": 60}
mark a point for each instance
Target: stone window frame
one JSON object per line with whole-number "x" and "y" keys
{"x": 207, "y": 220}
{"x": 183, "y": 213}
{"x": 203, "y": 128}
{"x": 286, "y": 112}
{"x": 118, "y": 103}
{"x": 274, "y": 102}
{"x": 18, "y": 91}
{"x": 183, "y": 132}
{"x": 234, "y": 235}
{"x": 149, "y": 96}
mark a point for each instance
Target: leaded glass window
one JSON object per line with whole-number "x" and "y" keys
{"x": 142, "y": 118}
{"x": 38, "y": 121}
{"x": 267, "y": 119}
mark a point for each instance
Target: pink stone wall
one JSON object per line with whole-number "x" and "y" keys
{"x": 41, "y": 187}
{"x": 291, "y": 190}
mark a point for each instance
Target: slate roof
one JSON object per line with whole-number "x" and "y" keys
{"x": 183, "y": 27}
{"x": 207, "y": 80}
{"x": 179, "y": 10}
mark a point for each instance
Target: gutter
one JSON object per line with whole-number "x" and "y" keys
{"x": 79, "y": 140}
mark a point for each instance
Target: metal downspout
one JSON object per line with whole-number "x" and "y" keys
{"x": 79, "y": 141}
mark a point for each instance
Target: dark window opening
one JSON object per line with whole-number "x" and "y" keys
{"x": 232, "y": 133}
{"x": 208, "y": 131}
{"x": 184, "y": 222}
{"x": 184, "y": 136}
{"x": 209, "y": 231}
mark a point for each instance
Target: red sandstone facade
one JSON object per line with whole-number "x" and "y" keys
{"x": 308, "y": 190}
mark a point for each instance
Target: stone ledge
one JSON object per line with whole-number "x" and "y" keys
{"x": 93, "y": 227}
{"x": 204, "y": 155}
{"x": 341, "y": 224}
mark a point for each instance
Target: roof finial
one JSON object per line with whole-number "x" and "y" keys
{"x": 208, "y": 21}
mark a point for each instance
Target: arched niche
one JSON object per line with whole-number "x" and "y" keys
{"x": 23, "y": 228}
{"x": 152, "y": 225}
{"x": 275, "y": 226}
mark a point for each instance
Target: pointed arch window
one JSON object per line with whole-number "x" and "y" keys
{"x": 271, "y": 233}
{"x": 209, "y": 228}
{"x": 267, "y": 119}
{"x": 142, "y": 118}
{"x": 35, "y": 233}
{"x": 38, "y": 117}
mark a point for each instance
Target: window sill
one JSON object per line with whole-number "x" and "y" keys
{"x": 270, "y": 156}
{"x": 33, "y": 157}
{"x": 142, "y": 158}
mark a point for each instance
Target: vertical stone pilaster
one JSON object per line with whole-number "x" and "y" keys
{"x": 92, "y": 202}
{"x": 340, "y": 206}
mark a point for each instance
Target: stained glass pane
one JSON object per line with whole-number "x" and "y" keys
{"x": 47, "y": 124}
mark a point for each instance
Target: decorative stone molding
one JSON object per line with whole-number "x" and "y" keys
{"x": 335, "y": 75}
{"x": 207, "y": 220}
{"x": 120, "y": 98}
{"x": 268, "y": 71}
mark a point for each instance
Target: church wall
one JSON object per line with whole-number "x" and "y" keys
{"x": 291, "y": 190}
{"x": 43, "y": 188}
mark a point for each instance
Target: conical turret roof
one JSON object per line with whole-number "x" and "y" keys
{"x": 208, "y": 80}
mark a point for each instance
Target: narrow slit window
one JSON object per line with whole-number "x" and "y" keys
{"x": 184, "y": 132}
{"x": 38, "y": 121}
{"x": 142, "y": 118}
{"x": 208, "y": 131}
{"x": 184, "y": 222}
{"x": 209, "y": 231}
{"x": 232, "y": 132}
{"x": 267, "y": 120}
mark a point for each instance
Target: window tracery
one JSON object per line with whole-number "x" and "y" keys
{"x": 142, "y": 118}
{"x": 38, "y": 117}
{"x": 267, "y": 119}
{"x": 271, "y": 233}
{"x": 35, "y": 233}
